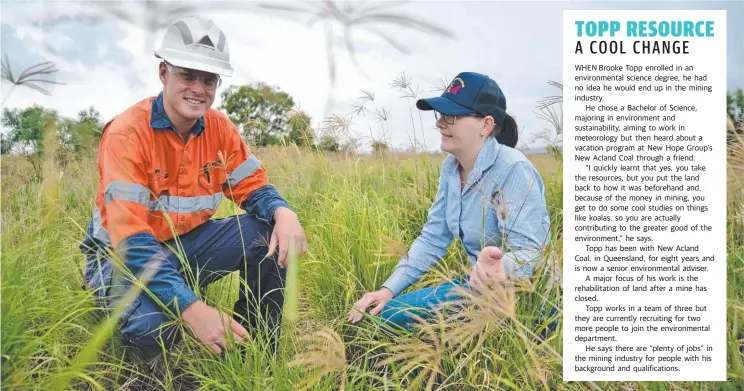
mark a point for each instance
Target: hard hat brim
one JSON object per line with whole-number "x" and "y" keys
{"x": 186, "y": 61}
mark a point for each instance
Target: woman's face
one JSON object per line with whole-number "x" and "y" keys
{"x": 461, "y": 134}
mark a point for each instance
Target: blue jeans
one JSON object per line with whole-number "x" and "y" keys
{"x": 213, "y": 250}
{"x": 424, "y": 302}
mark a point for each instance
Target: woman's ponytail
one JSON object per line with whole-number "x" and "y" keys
{"x": 508, "y": 133}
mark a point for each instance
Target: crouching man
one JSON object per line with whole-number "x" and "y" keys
{"x": 164, "y": 165}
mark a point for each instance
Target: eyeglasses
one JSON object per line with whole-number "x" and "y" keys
{"x": 450, "y": 119}
{"x": 190, "y": 78}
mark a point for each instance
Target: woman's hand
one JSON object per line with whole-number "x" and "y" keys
{"x": 381, "y": 297}
{"x": 489, "y": 268}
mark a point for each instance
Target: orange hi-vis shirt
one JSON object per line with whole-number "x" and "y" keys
{"x": 151, "y": 180}
{"x": 153, "y": 185}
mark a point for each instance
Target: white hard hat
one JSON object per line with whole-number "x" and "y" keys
{"x": 196, "y": 43}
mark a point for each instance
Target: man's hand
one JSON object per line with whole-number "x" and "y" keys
{"x": 381, "y": 297}
{"x": 287, "y": 229}
{"x": 489, "y": 268}
{"x": 212, "y": 327}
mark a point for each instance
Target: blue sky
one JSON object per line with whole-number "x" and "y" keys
{"x": 109, "y": 64}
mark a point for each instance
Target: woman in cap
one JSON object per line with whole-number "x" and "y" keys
{"x": 490, "y": 196}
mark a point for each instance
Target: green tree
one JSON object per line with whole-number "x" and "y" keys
{"x": 329, "y": 143}
{"x": 250, "y": 105}
{"x": 735, "y": 111}
{"x": 6, "y": 145}
{"x": 735, "y": 105}
{"x": 83, "y": 134}
{"x": 349, "y": 146}
{"x": 379, "y": 146}
{"x": 25, "y": 129}
{"x": 300, "y": 131}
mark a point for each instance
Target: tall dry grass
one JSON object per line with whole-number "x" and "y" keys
{"x": 360, "y": 213}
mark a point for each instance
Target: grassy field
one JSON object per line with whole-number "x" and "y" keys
{"x": 360, "y": 214}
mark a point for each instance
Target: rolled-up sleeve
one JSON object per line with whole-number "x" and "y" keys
{"x": 248, "y": 182}
{"x": 264, "y": 202}
{"x": 428, "y": 248}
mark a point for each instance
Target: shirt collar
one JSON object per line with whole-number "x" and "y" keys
{"x": 159, "y": 119}
{"x": 486, "y": 158}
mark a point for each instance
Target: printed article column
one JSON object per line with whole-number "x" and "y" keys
{"x": 644, "y": 195}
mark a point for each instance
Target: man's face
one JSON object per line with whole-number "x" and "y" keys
{"x": 189, "y": 93}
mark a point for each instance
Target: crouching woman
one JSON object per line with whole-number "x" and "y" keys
{"x": 490, "y": 196}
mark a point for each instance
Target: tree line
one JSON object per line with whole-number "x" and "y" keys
{"x": 265, "y": 116}
{"x": 735, "y": 109}
{"x": 26, "y": 129}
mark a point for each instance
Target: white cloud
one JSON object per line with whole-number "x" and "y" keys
{"x": 293, "y": 57}
{"x": 518, "y": 44}
{"x": 104, "y": 88}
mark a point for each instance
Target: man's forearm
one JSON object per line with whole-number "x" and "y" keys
{"x": 264, "y": 202}
{"x": 141, "y": 253}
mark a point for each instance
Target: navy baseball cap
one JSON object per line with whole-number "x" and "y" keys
{"x": 469, "y": 93}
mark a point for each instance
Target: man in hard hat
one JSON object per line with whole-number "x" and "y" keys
{"x": 164, "y": 165}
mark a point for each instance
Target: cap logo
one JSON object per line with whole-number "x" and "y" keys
{"x": 455, "y": 86}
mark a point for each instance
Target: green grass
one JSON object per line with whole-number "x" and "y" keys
{"x": 359, "y": 214}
